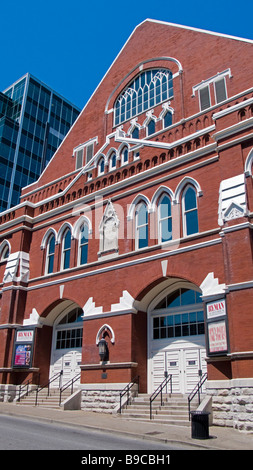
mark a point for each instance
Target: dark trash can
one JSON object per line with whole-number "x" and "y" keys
{"x": 200, "y": 424}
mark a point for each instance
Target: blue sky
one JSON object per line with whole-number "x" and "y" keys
{"x": 69, "y": 45}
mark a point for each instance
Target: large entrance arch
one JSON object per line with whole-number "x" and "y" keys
{"x": 66, "y": 350}
{"x": 176, "y": 336}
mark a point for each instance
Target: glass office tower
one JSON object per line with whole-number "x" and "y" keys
{"x": 34, "y": 119}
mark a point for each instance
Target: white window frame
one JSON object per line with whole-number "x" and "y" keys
{"x": 186, "y": 212}
{"x": 111, "y": 167}
{"x": 81, "y": 245}
{"x": 122, "y": 155}
{"x": 64, "y": 250}
{"x": 47, "y": 253}
{"x": 101, "y": 172}
{"x": 83, "y": 147}
{"x": 209, "y": 82}
{"x": 160, "y": 219}
{"x": 225, "y": 84}
{"x": 210, "y": 102}
{"x": 138, "y": 227}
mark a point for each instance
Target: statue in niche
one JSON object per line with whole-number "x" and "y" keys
{"x": 109, "y": 230}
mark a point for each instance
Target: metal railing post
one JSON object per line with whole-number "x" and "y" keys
{"x": 158, "y": 391}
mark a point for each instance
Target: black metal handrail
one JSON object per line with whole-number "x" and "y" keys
{"x": 127, "y": 389}
{"x": 22, "y": 387}
{"x": 196, "y": 391}
{"x": 68, "y": 384}
{"x": 160, "y": 390}
{"x": 47, "y": 385}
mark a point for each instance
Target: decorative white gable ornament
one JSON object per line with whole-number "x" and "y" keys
{"x": 17, "y": 267}
{"x": 232, "y": 199}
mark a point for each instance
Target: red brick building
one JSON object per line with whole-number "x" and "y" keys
{"x": 140, "y": 230}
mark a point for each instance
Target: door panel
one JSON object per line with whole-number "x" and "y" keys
{"x": 182, "y": 364}
{"x": 69, "y": 362}
{"x": 173, "y": 360}
{"x": 158, "y": 369}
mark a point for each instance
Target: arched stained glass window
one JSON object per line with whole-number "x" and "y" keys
{"x": 149, "y": 89}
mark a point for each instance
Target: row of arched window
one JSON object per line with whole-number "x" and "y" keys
{"x": 190, "y": 222}
{"x": 162, "y": 204}
{"x": 139, "y": 214}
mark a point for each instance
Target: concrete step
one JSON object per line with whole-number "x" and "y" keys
{"x": 174, "y": 410}
{"x": 50, "y": 400}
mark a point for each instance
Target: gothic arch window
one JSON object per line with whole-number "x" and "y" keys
{"x": 135, "y": 133}
{"x": 167, "y": 119}
{"x": 83, "y": 241}
{"x": 124, "y": 156}
{"x": 151, "y": 127}
{"x": 141, "y": 226}
{"x": 101, "y": 166}
{"x": 164, "y": 219}
{"x": 4, "y": 251}
{"x": 190, "y": 211}
{"x": 49, "y": 266}
{"x": 112, "y": 161}
{"x": 148, "y": 89}
{"x": 66, "y": 249}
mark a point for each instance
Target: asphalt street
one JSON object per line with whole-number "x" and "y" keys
{"x": 17, "y": 433}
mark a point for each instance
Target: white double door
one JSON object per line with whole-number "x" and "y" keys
{"x": 183, "y": 364}
{"x": 67, "y": 361}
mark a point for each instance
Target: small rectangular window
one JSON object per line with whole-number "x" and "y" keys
{"x": 89, "y": 152}
{"x": 220, "y": 90}
{"x": 204, "y": 97}
{"x": 79, "y": 159}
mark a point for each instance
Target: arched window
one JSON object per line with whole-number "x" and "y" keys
{"x": 101, "y": 166}
{"x": 5, "y": 252}
{"x": 66, "y": 249}
{"x": 164, "y": 219}
{"x": 167, "y": 120}
{"x": 50, "y": 255}
{"x": 124, "y": 155}
{"x": 135, "y": 133}
{"x": 190, "y": 211}
{"x": 141, "y": 226}
{"x": 148, "y": 89}
{"x": 179, "y": 314}
{"x": 151, "y": 127}
{"x": 70, "y": 330}
{"x": 112, "y": 161}
{"x": 83, "y": 244}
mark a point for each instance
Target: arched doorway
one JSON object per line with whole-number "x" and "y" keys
{"x": 66, "y": 352}
{"x": 176, "y": 338}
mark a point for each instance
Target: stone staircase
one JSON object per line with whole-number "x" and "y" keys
{"x": 45, "y": 400}
{"x": 173, "y": 412}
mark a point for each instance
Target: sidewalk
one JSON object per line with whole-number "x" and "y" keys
{"x": 220, "y": 438}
